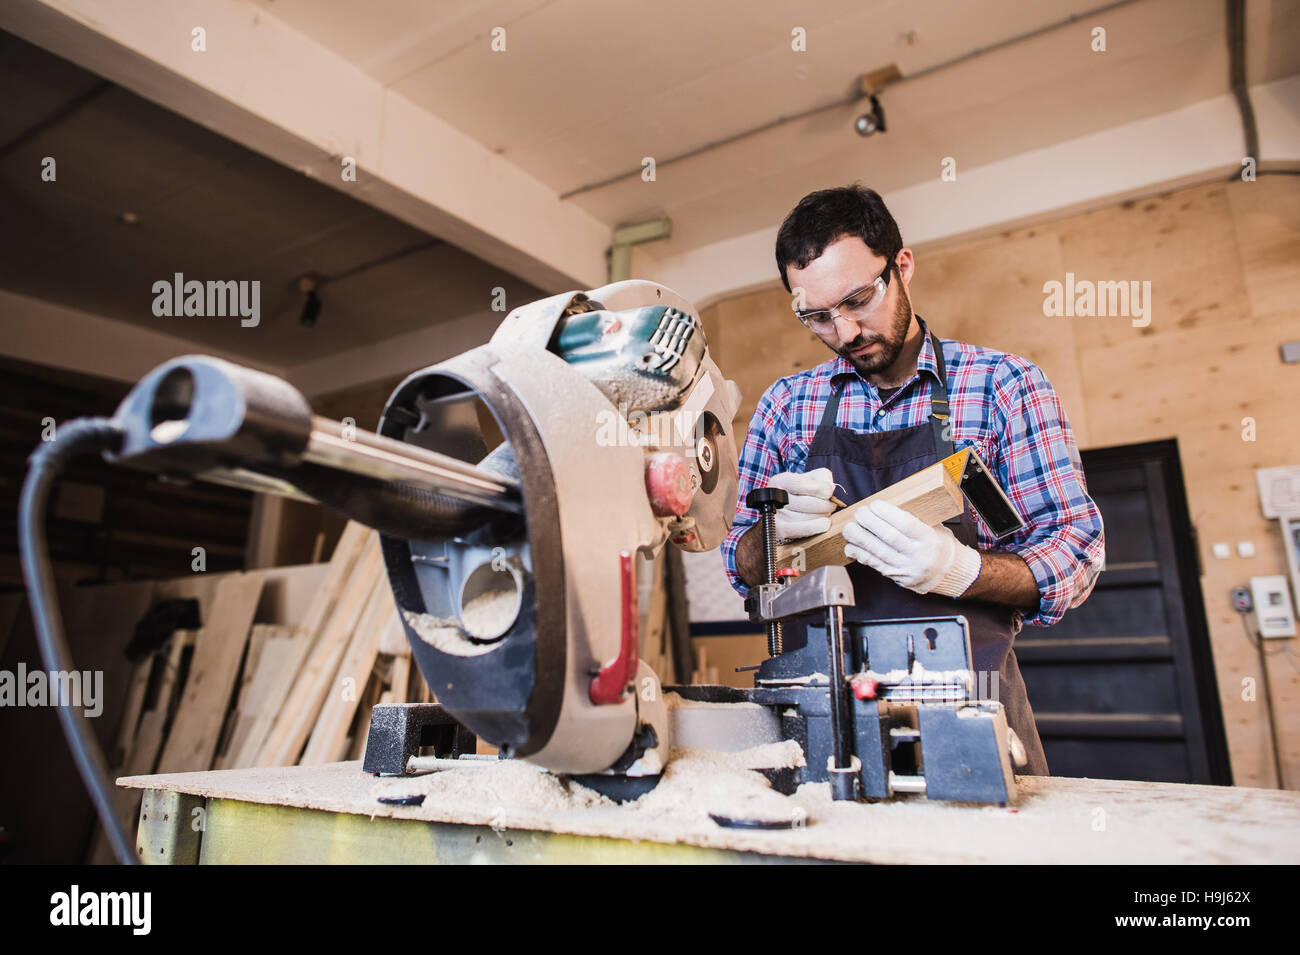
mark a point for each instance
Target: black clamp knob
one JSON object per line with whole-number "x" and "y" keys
{"x": 767, "y": 501}
{"x": 762, "y": 497}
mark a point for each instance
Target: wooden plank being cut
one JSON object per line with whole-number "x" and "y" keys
{"x": 341, "y": 566}
{"x": 930, "y": 494}
{"x": 218, "y": 650}
{"x": 328, "y": 742}
{"x": 301, "y": 707}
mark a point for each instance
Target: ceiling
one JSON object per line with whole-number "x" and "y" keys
{"x": 585, "y": 89}
{"x": 210, "y": 209}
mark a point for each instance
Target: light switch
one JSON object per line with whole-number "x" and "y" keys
{"x": 1222, "y": 550}
{"x": 1245, "y": 548}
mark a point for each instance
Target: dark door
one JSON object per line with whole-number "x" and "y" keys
{"x": 1123, "y": 687}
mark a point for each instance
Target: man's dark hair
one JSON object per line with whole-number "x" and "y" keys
{"x": 823, "y": 216}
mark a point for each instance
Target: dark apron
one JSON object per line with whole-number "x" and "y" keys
{"x": 865, "y": 463}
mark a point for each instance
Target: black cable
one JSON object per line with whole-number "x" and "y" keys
{"x": 1237, "y": 78}
{"x": 77, "y": 437}
{"x": 1268, "y": 694}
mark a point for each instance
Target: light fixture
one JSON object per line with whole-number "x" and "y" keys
{"x": 308, "y": 284}
{"x": 871, "y": 122}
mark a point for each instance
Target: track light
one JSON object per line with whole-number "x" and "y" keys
{"x": 871, "y": 122}
{"x": 312, "y": 306}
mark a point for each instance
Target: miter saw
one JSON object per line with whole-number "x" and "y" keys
{"x": 513, "y": 487}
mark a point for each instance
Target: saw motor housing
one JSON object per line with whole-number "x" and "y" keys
{"x": 616, "y": 423}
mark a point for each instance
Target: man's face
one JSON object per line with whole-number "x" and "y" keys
{"x": 872, "y": 345}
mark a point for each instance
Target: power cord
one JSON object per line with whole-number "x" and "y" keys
{"x": 74, "y": 438}
{"x": 1241, "y": 602}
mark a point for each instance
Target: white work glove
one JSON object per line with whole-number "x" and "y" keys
{"x": 809, "y": 508}
{"x": 909, "y": 552}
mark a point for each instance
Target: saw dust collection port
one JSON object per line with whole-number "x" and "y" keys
{"x": 491, "y": 598}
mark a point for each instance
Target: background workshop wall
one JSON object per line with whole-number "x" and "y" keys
{"x": 1222, "y": 262}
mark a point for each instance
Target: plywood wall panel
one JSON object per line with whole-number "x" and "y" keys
{"x": 1223, "y": 260}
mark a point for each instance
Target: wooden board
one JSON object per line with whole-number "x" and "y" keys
{"x": 218, "y": 650}
{"x": 130, "y": 722}
{"x": 328, "y": 742}
{"x": 341, "y": 566}
{"x": 294, "y": 721}
{"x": 399, "y": 675}
{"x": 375, "y": 693}
{"x": 277, "y": 649}
{"x": 140, "y": 754}
{"x": 930, "y": 494}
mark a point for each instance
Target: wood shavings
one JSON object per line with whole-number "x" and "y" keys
{"x": 497, "y": 786}
{"x": 445, "y": 634}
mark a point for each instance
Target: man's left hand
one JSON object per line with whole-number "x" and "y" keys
{"x": 909, "y": 552}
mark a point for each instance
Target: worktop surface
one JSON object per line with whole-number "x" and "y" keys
{"x": 1055, "y": 819}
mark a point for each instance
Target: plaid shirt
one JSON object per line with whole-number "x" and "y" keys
{"x": 1002, "y": 405}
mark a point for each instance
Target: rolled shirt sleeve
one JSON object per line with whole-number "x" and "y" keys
{"x": 1037, "y": 461}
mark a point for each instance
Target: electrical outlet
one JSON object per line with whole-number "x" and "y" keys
{"x": 1241, "y": 600}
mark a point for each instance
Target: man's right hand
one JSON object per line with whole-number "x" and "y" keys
{"x": 808, "y": 511}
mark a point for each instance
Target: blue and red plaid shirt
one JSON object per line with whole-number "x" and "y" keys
{"x": 1002, "y": 405}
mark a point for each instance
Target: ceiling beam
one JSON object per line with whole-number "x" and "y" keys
{"x": 273, "y": 90}
{"x": 392, "y": 357}
{"x": 57, "y": 336}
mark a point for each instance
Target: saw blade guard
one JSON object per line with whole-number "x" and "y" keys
{"x": 520, "y": 625}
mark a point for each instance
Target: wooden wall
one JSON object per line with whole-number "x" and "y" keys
{"x": 1223, "y": 260}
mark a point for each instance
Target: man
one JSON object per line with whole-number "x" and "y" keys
{"x": 894, "y": 399}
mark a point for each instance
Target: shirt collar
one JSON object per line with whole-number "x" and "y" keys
{"x": 924, "y": 361}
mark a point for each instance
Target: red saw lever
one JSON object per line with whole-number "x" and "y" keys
{"x": 609, "y": 684}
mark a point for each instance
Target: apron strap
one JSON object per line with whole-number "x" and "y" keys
{"x": 832, "y": 408}
{"x": 939, "y": 411}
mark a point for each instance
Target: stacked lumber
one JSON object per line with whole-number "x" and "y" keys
{"x": 240, "y": 693}
{"x": 310, "y": 702}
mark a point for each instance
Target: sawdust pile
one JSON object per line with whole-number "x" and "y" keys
{"x": 445, "y": 634}
{"x": 699, "y": 782}
{"x": 675, "y": 701}
{"x": 696, "y": 783}
{"x": 499, "y": 787}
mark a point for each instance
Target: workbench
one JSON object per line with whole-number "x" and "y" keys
{"x": 331, "y": 814}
